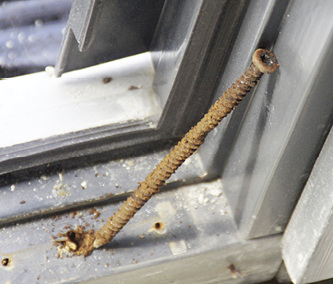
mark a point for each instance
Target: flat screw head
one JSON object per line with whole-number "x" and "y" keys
{"x": 265, "y": 61}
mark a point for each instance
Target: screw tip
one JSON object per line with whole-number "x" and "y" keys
{"x": 265, "y": 61}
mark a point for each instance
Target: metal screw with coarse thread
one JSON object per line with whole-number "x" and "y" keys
{"x": 263, "y": 62}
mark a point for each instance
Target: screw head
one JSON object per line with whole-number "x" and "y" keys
{"x": 265, "y": 61}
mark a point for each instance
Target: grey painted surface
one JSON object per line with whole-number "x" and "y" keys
{"x": 265, "y": 151}
{"x": 199, "y": 242}
{"x": 273, "y": 140}
{"x": 50, "y": 193}
{"x": 190, "y": 48}
{"x": 308, "y": 240}
{"x": 99, "y": 31}
{"x": 254, "y": 262}
{"x": 180, "y": 40}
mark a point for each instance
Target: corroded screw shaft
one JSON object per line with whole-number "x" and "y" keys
{"x": 263, "y": 62}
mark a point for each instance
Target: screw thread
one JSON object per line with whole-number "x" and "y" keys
{"x": 184, "y": 149}
{"x": 263, "y": 62}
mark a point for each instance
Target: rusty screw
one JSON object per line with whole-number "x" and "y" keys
{"x": 263, "y": 62}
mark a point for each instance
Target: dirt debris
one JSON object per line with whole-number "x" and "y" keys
{"x": 76, "y": 241}
{"x": 94, "y": 212}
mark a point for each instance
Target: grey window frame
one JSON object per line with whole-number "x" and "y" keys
{"x": 208, "y": 27}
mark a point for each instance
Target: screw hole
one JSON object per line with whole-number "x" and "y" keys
{"x": 71, "y": 235}
{"x": 5, "y": 262}
{"x": 233, "y": 270}
{"x": 159, "y": 226}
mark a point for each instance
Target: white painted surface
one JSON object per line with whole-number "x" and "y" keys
{"x": 39, "y": 105}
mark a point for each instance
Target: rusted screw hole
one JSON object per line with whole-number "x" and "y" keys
{"x": 158, "y": 226}
{"x": 5, "y": 262}
{"x": 233, "y": 270}
{"x": 71, "y": 236}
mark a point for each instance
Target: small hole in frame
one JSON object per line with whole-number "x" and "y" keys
{"x": 5, "y": 262}
{"x": 159, "y": 226}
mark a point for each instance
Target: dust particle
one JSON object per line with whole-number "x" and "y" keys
{"x": 84, "y": 185}
{"x": 132, "y": 88}
{"x": 106, "y": 80}
{"x": 94, "y": 212}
